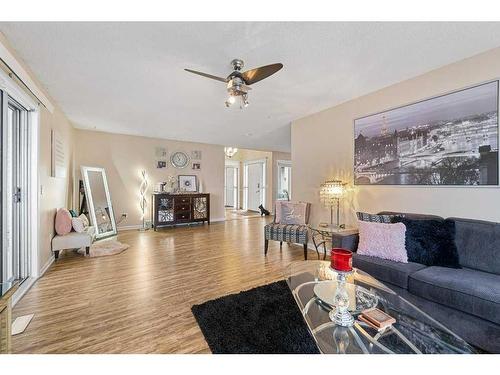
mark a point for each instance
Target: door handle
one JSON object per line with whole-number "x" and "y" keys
{"x": 17, "y": 195}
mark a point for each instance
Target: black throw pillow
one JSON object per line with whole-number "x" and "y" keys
{"x": 430, "y": 242}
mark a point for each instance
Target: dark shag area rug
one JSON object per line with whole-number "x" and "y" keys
{"x": 263, "y": 320}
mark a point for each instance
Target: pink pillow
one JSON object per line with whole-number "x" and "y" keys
{"x": 293, "y": 213}
{"x": 277, "y": 213}
{"x": 63, "y": 222}
{"x": 386, "y": 241}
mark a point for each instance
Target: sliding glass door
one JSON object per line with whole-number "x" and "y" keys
{"x": 15, "y": 262}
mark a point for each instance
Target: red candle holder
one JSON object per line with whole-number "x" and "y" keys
{"x": 341, "y": 260}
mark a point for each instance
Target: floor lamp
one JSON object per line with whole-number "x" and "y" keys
{"x": 331, "y": 193}
{"x": 142, "y": 191}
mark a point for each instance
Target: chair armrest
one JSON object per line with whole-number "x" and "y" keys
{"x": 346, "y": 240}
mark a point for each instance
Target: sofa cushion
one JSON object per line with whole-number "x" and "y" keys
{"x": 471, "y": 291}
{"x": 478, "y": 244}
{"x": 386, "y": 270}
{"x": 430, "y": 242}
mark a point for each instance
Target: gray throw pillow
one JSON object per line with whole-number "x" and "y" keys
{"x": 291, "y": 215}
{"x": 385, "y": 219}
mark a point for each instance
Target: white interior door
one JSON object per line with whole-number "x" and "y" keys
{"x": 231, "y": 187}
{"x": 255, "y": 186}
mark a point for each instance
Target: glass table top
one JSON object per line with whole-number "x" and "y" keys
{"x": 330, "y": 229}
{"x": 313, "y": 285}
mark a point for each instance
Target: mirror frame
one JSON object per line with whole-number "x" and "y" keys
{"x": 90, "y": 202}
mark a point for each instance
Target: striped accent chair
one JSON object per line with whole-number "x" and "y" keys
{"x": 289, "y": 225}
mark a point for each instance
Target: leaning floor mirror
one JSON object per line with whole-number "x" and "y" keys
{"x": 99, "y": 201}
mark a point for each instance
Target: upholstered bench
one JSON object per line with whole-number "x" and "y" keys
{"x": 73, "y": 240}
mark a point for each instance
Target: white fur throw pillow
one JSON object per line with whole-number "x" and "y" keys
{"x": 78, "y": 224}
{"x": 386, "y": 241}
{"x": 85, "y": 220}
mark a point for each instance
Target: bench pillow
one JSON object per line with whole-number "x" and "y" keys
{"x": 63, "y": 223}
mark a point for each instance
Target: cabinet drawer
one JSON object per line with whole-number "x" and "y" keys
{"x": 182, "y": 200}
{"x": 183, "y": 208}
{"x": 182, "y": 216}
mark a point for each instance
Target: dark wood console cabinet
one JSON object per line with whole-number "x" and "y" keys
{"x": 173, "y": 209}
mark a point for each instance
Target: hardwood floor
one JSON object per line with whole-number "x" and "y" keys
{"x": 139, "y": 301}
{"x": 232, "y": 214}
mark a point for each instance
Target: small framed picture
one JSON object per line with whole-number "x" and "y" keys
{"x": 196, "y": 155}
{"x": 196, "y": 166}
{"x": 161, "y": 152}
{"x": 188, "y": 183}
{"x": 161, "y": 164}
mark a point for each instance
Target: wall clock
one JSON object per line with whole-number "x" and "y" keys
{"x": 179, "y": 159}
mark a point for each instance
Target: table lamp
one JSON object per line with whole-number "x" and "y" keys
{"x": 331, "y": 193}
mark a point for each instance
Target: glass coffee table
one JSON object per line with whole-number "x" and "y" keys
{"x": 313, "y": 285}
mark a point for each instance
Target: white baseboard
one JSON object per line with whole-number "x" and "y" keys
{"x": 218, "y": 220}
{"x": 139, "y": 226}
{"x": 46, "y": 265}
{"x": 129, "y": 227}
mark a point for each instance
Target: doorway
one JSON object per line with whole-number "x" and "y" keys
{"x": 19, "y": 117}
{"x": 254, "y": 184}
{"x": 231, "y": 184}
{"x": 15, "y": 252}
{"x": 284, "y": 178}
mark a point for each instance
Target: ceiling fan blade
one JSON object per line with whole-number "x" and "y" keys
{"x": 258, "y": 74}
{"x": 206, "y": 75}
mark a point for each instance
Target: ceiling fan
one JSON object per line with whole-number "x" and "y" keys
{"x": 238, "y": 82}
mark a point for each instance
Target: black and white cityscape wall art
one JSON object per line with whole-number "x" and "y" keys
{"x": 451, "y": 139}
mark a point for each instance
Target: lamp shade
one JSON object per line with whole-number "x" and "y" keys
{"x": 331, "y": 192}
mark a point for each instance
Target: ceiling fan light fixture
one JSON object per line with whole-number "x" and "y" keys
{"x": 230, "y": 101}
{"x": 237, "y": 83}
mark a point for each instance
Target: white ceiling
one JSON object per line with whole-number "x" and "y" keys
{"x": 128, "y": 77}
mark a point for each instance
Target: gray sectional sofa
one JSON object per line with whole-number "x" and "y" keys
{"x": 466, "y": 300}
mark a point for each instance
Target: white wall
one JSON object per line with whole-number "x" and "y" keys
{"x": 323, "y": 148}
{"x": 124, "y": 156}
{"x": 54, "y": 192}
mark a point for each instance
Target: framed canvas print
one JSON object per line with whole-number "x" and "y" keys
{"x": 196, "y": 166}
{"x": 448, "y": 140}
{"x": 196, "y": 155}
{"x": 58, "y": 155}
{"x": 188, "y": 183}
